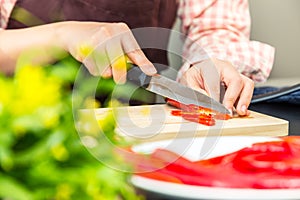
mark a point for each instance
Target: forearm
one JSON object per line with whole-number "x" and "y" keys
{"x": 36, "y": 45}
{"x": 106, "y": 42}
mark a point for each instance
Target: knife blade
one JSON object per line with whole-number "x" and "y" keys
{"x": 169, "y": 88}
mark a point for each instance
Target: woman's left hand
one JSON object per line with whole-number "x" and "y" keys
{"x": 206, "y": 77}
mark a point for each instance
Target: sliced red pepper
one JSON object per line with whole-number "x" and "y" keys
{"x": 275, "y": 162}
{"x": 197, "y": 109}
{"x": 193, "y": 174}
{"x": 270, "y": 147}
{"x": 292, "y": 139}
{"x": 197, "y": 114}
{"x": 140, "y": 162}
{"x": 176, "y": 104}
{"x": 275, "y": 181}
{"x": 183, "y": 169}
{"x": 190, "y": 179}
{"x": 208, "y": 111}
{"x": 270, "y": 165}
{"x": 273, "y": 156}
{"x": 202, "y": 119}
{"x": 178, "y": 163}
{"x": 222, "y": 116}
{"x": 158, "y": 175}
{"x": 220, "y": 160}
{"x": 199, "y": 119}
{"x": 176, "y": 112}
{"x": 294, "y": 143}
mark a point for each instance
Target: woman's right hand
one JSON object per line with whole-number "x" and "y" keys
{"x": 103, "y": 48}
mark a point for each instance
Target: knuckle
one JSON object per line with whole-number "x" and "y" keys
{"x": 230, "y": 100}
{"x": 79, "y": 57}
{"x": 123, "y": 25}
{"x": 104, "y": 32}
{"x": 248, "y": 95}
{"x": 239, "y": 80}
{"x": 92, "y": 70}
{"x": 251, "y": 83}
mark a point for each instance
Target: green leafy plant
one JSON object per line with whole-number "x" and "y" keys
{"x": 41, "y": 155}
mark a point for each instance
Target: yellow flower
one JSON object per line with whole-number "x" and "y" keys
{"x": 91, "y": 103}
{"x": 63, "y": 192}
{"x": 49, "y": 116}
{"x": 60, "y": 152}
{"x": 6, "y": 88}
{"x": 33, "y": 89}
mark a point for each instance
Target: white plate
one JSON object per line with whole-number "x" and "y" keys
{"x": 211, "y": 147}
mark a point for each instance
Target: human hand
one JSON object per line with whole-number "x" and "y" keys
{"x": 103, "y": 48}
{"x": 206, "y": 77}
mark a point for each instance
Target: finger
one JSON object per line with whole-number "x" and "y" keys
{"x": 107, "y": 73}
{"x": 117, "y": 60}
{"x": 90, "y": 64}
{"x": 135, "y": 54}
{"x": 191, "y": 79}
{"x": 234, "y": 87}
{"x": 102, "y": 61}
{"x": 245, "y": 97}
{"x": 211, "y": 78}
{"x": 84, "y": 54}
{"x": 96, "y": 59}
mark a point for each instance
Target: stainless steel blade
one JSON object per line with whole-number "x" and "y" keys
{"x": 173, "y": 90}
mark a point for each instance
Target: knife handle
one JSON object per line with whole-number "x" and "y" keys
{"x": 136, "y": 76}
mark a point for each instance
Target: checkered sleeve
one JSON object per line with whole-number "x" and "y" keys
{"x": 6, "y": 6}
{"x": 221, "y": 29}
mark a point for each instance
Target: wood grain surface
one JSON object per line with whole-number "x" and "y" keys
{"x": 154, "y": 122}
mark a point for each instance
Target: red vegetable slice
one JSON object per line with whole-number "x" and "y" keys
{"x": 209, "y": 121}
{"x": 176, "y": 112}
{"x": 176, "y": 104}
{"x": 197, "y": 114}
{"x": 268, "y": 157}
{"x": 275, "y": 181}
{"x": 220, "y": 160}
{"x": 272, "y": 165}
{"x": 161, "y": 176}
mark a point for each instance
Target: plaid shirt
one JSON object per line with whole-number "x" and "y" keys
{"x": 214, "y": 29}
{"x": 6, "y": 7}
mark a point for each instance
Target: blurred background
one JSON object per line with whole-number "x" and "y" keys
{"x": 277, "y": 23}
{"x": 274, "y": 22}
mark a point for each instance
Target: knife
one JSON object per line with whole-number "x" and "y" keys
{"x": 166, "y": 87}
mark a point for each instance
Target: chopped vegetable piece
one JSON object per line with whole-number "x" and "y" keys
{"x": 197, "y": 114}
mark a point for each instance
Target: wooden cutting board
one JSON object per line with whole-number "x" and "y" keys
{"x": 154, "y": 122}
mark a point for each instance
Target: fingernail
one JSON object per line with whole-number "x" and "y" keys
{"x": 151, "y": 70}
{"x": 120, "y": 80}
{"x": 244, "y": 109}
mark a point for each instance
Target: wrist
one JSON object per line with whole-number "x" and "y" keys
{"x": 55, "y": 46}
{"x": 59, "y": 31}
